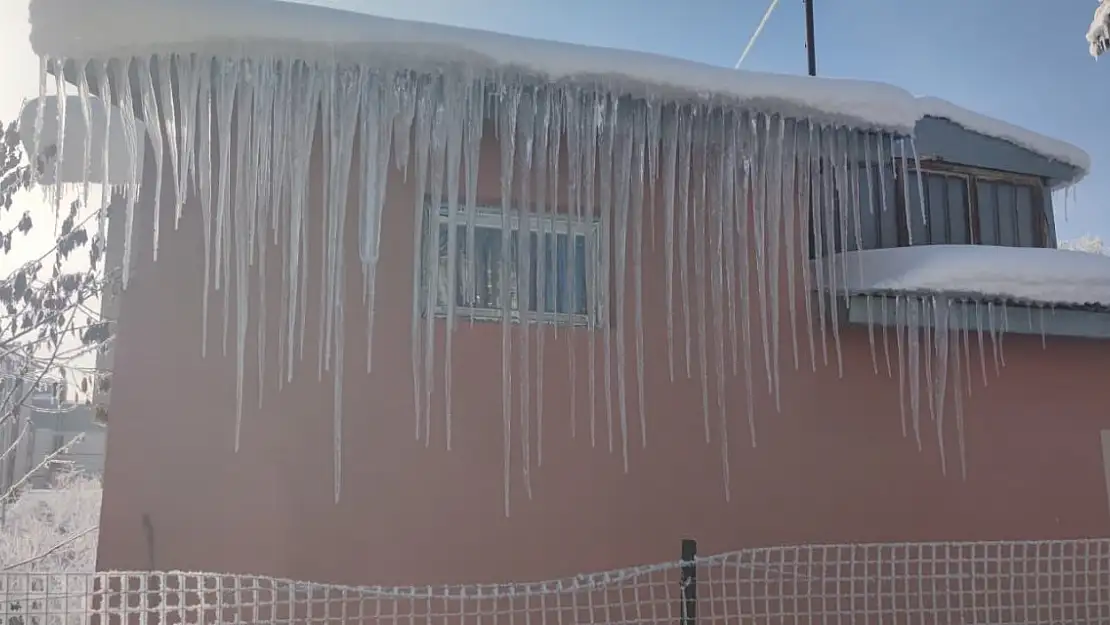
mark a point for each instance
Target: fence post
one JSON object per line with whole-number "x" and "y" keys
{"x": 689, "y": 582}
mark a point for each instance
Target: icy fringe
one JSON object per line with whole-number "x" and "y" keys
{"x": 734, "y": 186}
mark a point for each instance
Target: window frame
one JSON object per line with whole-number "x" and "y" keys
{"x": 972, "y": 177}
{"x": 490, "y": 217}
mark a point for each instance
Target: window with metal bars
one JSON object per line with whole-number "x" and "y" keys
{"x": 561, "y": 284}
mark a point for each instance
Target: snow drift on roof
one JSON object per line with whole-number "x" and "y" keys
{"x": 1034, "y": 275}
{"x": 82, "y": 29}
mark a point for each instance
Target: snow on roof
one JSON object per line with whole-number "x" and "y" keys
{"x": 1098, "y": 35}
{"x": 81, "y": 29}
{"x": 1035, "y": 275}
{"x": 1048, "y": 147}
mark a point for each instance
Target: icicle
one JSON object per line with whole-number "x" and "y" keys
{"x": 715, "y": 216}
{"x": 59, "y": 142}
{"x": 789, "y": 208}
{"x": 761, "y": 153}
{"x": 556, "y": 130}
{"x": 509, "y": 102}
{"x": 1003, "y": 331}
{"x": 905, "y": 178}
{"x": 965, "y": 306}
{"x": 572, "y": 109}
{"x": 928, "y": 306}
{"x": 164, "y": 63}
{"x": 526, "y": 117}
{"x": 639, "y": 213}
{"x": 982, "y": 350}
{"x": 82, "y": 69}
{"x": 423, "y": 234}
{"x": 40, "y": 112}
{"x": 375, "y": 132}
{"x": 807, "y": 205}
{"x": 672, "y": 122}
{"x": 456, "y": 93}
{"x": 154, "y": 134}
{"x": 731, "y": 210}
{"x": 886, "y": 344}
{"x": 589, "y": 122}
{"x": 130, "y": 134}
{"x": 920, "y": 184}
{"x": 204, "y": 183}
{"x": 901, "y": 328}
{"x": 994, "y": 335}
{"x": 433, "y": 197}
{"x": 819, "y": 219}
{"x": 871, "y": 334}
{"x": 545, "y": 241}
{"x": 654, "y": 139}
{"x": 685, "y": 164}
{"x": 828, "y": 176}
{"x": 103, "y": 79}
{"x": 701, "y": 218}
{"x": 623, "y": 150}
{"x": 913, "y": 350}
{"x": 744, "y": 220}
{"x": 348, "y": 87}
{"x": 1044, "y": 342}
{"x": 608, "y": 114}
{"x": 225, "y": 87}
{"x": 189, "y": 70}
{"x": 305, "y": 94}
{"x": 776, "y": 195}
{"x": 941, "y": 312}
{"x": 240, "y": 231}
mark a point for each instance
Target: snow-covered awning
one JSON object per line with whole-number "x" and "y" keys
{"x": 78, "y": 29}
{"x": 1026, "y": 275}
{"x": 1098, "y": 35}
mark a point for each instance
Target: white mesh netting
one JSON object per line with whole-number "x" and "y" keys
{"x": 909, "y": 583}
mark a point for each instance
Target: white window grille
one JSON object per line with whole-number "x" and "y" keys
{"x": 561, "y": 255}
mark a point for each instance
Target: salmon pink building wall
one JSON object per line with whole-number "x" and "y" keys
{"x": 831, "y": 466}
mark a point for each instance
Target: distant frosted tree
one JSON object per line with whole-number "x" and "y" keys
{"x": 52, "y": 530}
{"x": 1098, "y": 34}
{"x": 1085, "y": 243}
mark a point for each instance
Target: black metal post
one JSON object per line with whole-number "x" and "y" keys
{"x": 810, "y": 50}
{"x": 689, "y": 582}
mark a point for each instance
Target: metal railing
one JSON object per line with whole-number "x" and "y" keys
{"x": 1030, "y": 583}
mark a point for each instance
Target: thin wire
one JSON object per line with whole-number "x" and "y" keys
{"x": 755, "y": 35}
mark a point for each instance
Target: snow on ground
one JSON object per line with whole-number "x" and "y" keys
{"x": 82, "y": 29}
{"x": 1048, "y": 276}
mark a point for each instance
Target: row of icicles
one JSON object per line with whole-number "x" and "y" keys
{"x": 733, "y": 187}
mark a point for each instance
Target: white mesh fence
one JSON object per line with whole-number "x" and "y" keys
{"x": 1024, "y": 583}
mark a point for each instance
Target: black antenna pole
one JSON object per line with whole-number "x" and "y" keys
{"x": 812, "y": 53}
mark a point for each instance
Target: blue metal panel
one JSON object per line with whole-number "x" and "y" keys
{"x": 949, "y": 142}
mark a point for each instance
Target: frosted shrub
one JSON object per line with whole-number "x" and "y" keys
{"x": 48, "y": 543}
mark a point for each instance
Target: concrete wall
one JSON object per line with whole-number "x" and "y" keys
{"x": 832, "y": 467}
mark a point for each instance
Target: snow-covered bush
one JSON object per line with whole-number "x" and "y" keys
{"x": 48, "y": 543}
{"x": 1085, "y": 243}
{"x": 52, "y": 529}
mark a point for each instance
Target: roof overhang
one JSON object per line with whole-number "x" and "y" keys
{"x": 77, "y": 29}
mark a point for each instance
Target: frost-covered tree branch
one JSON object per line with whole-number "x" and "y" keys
{"x": 49, "y": 294}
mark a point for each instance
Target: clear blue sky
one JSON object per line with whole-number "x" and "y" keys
{"x": 1024, "y": 61}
